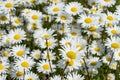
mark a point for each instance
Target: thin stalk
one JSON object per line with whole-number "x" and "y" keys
{"x": 48, "y": 55}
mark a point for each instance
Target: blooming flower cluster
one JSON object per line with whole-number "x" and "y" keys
{"x": 59, "y": 40}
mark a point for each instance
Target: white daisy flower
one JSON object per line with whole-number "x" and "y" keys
{"x": 107, "y": 3}
{"x": 55, "y": 8}
{"x": 19, "y": 50}
{"x": 113, "y": 31}
{"x": 117, "y": 55}
{"x": 110, "y": 76}
{"x": 113, "y": 43}
{"x": 25, "y": 63}
{"x": 16, "y": 21}
{"x": 113, "y": 65}
{"x": 73, "y": 8}
{"x": 94, "y": 62}
{"x": 36, "y": 54}
{"x": 64, "y": 18}
{"x": 87, "y": 20}
{"x": 45, "y": 67}
{"x": 49, "y": 56}
{"x": 31, "y": 76}
{"x": 74, "y": 76}
{"x": 56, "y": 77}
{"x": 17, "y": 35}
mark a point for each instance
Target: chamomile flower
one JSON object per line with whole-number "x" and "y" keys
{"x": 9, "y": 5}
{"x": 94, "y": 62}
{"x": 110, "y": 76}
{"x": 74, "y": 76}
{"x": 4, "y": 18}
{"x": 55, "y": 8}
{"x": 6, "y": 40}
{"x": 50, "y": 55}
{"x": 16, "y": 21}
{"x": 113, "y": 43}
{"x": 35, "y": 16}
{"x": 87, "y": 20}
{"x": 113, "y": 65}
{"x": 6, "y": 53}
{"x": 92, "y": 72}
{"x": 107, "y": 58}
{"x": 64, "y": 18}
{"x": 70, "y": 52}
{"x": 17, "y": 73}
{"x": 92, "y": 2}
{"x": 17, "y": 35}
{"x": 25, "y": 63}
{"x": 73, "y": 8}
{"x": 44, "y": 34}
{"x": 62, "y": 29}
{"x": 96, "y": 48}
{"x": 3, "y": 65}
{"x": 19, "y": 50}
{"x": 51, "y": 43}
{"x": 113, "y": 31}
{"x": 45, "y": 67}
{"x": 96, "y": 35}
{"x": 67, "y": 41}
{"x": 117, "y": 55}
{"x": 111, "y": 18}
{"x": 107, "y": 3}
{"x": 31, "y": 76}
{"x": 34, "y": 25}
{"x": 36, "y": 54}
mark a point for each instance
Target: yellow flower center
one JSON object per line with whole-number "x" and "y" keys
{"x": 48, "y": 44}
{"x": 74, "y": 34}
{"x": 46, "y": 36}
{"x": 17, "y": 36}
{"x": 8, "y": 40}
{"x": 1, "y": 66}
{"x": 109, "y": 24}
{"x": 107, "y": 0}
{"x": 56, "y": 9}
{"x": 111, "y": 18}
{"x": 46, "y": 67}
{"x": 55, "y": 1}
{"x": 71, "y": 54}
{"x": 63, "y": 18}
{"x": 32, "y": 1}
{"x": 48, "y": 56}
{"x": 3, "y": 18}
{"x": 97, "y": 49}
{"x": 9, "y": 5}
{"x": 1, "y": 34}
{"x": 115, "y": 45}
{"x": 92, "y": 28}
{"x": 30, "y": 79}
{"x": 19, "y": 73}
{"x": 37, "y": 55}
{"x": 93, "y": 63}
{"x": 17, "y": 21}
{"x": 67, "y": 43}
{"x": 95, "y": 35}
{"x": 114, "y": 31}
{"x": 62, "y": 29}
{"x": 88, "y": 20}
{"x": 113, "y": 65}
{"x": 74, "y": 9}
{"x": 6, "y": 54}
{"x": 71, "y": 63}
{"x": 93, "y": 10}
{"x": 119, "y": 54}
{"x": 20, "y": 53}
{"x": 35, "y": 17}
{"x": 108, "y": 59}
{"x": 25, "y": 64}
{"x": 79, "y": 46}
